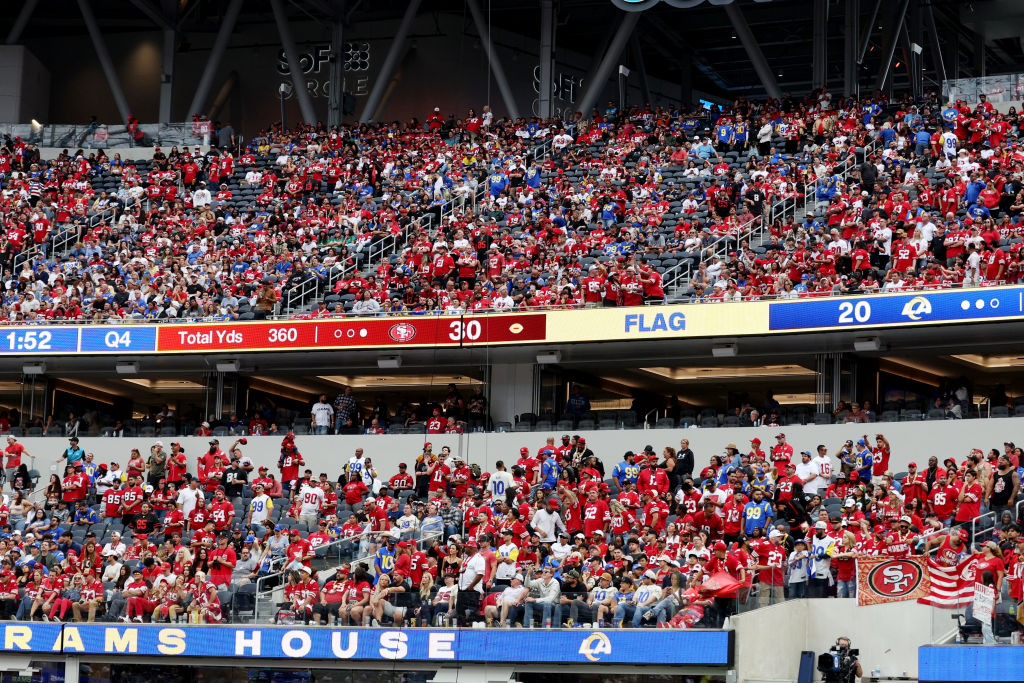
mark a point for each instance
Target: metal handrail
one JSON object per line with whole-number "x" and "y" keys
{"x": 439, "y": 313}
{"x": 277, "y": 569}
{"x": 327, "y": 574}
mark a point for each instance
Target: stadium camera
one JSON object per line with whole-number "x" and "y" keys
{"x": 839, "y": 664}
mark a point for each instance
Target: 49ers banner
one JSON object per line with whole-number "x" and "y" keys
{"x": 884, "y": 579}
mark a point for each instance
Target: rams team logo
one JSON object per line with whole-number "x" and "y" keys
{"x": 917, "y": 307}
{"x": 595, "y": 645}
{"x": 402, "y": 332}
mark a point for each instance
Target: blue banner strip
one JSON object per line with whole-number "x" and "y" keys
{"x": 956, "y": 305}
{"x": 548, "y": 646}
{"x": 970, "y": 663}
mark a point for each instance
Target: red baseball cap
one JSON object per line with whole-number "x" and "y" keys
{"x": 854, "y": 475}
{"x": 719, "y": 545}
{"x": 756, "y": 441}
{"x": 524, "y": 450}
{"x": 553, "y": 502}
{"x": 581, "y": 440}
{"x": 879, "y": 529}
{"x": 912, "y": 464}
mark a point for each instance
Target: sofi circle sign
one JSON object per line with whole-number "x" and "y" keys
{"x": 641, "y": 5}
{"x": 561, "y": 646}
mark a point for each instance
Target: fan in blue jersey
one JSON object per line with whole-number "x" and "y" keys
{"x": 497, "y": 182}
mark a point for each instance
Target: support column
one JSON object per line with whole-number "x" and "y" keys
{"x": 292, "y": 54}
{"x": 638, "y": 65}
{"x": 686, "y": 78}
{"x": 494, "y": 61}
{"x": 104, "y": 57}
{"x": 510, "y": 391}
{"x": 915, "y": 33}
{"x": 337, "y": 71}
{"x": 893, "y": 36}
{"x": 869, "y": 31}
{"x": 980, "y": 60}
{"x": 618, "y": 42}
{"x": 390, "y": 61}
{"x": 167, "y": 76}
{"x": 21, "y": 21}
{"x": 754, "y": 54}
{"x": 851, "y": 36}
{"x": 819, "y": 59}
{"x": 220, "y": 43}
{"x": 547, "y": 29}
{"x": 936, "y": 45}
{"x": 71, "y": 670}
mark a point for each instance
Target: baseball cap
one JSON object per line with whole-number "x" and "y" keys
{"x": 775, "y": 533}
{"x": 780, "y": 435}
{"x": 719, "y": 545}
{"x": 651, "y": 575}
{"x": 524, "y": 450}
{"x": 849, "y": 503}
{"x": 912, "y": 464}
{"x": 581, "y": 440}
{"x": 906, "y": 519}
{"x": 371, "y": 499}
{"x": 756, "y": 441}
{"x": 553, "y": 502}
{"x": 820, "y": 525}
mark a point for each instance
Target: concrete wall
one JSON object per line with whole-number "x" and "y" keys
{"x": 910, "y": 441}
{"x": 769, "y": 641}
{"x": 24, "y": 85}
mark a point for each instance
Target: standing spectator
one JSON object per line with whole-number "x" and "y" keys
{"x": 577, "y": 403}
{"x": 322, "y": 413}
{"x": 471, "y": 585}
{"x": 345, "y": 407}
{"x": 15, "y": 452}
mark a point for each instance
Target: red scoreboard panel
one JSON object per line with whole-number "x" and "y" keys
{"x": 354, "y": 333}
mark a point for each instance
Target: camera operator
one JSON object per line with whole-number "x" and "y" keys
{"x": 840, "y": 663}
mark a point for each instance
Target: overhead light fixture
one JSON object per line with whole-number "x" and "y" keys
{"x": 127, "y": 367}
{"x": 916, "y": 49}
{"x": 724, "y": 350}
{"x": 34, "y": 368}
{"x": 227, "y": 365}
{"x": 549, "y": 357}
{"x": 389, "y": 362}
{"x": 867, "y": 344}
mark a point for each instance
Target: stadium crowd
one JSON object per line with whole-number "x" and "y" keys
{"x": 455, "y": 215}
{"x": 559, "y": 535}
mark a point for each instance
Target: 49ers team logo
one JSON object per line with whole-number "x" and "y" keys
{"x": 895, "y": 578}
{"x": 402, "y": 332}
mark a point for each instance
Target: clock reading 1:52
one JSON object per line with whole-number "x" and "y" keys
{"x": 29, "y": 340}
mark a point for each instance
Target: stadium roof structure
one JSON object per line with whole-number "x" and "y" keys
{"x": 724, "y": 48}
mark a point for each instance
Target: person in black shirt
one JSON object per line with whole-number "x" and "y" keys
{"x": 145, "y": 523}
{"x": 684, "y": 460}
{"x": 235, "y": 479}
{"x": 573, "y": 591}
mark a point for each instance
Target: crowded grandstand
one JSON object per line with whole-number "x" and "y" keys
{"x": 568, "y": 464}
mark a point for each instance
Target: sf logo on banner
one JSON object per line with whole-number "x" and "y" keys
{"x": 896, "y": 578}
